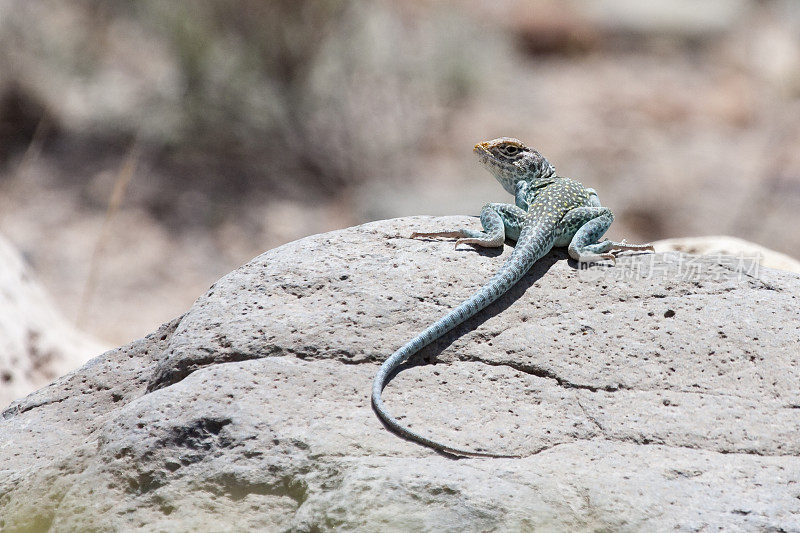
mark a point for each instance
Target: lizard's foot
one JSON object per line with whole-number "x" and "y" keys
{"x": 624, "y": 247}
{"x": 487, "y": 242}
{"x": 466, "y": 236}
{"x": 594, "y": 253}
{"x": 445, "y": 234}
{"x": 596, "y": 258}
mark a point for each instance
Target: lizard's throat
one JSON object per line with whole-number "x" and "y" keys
{"x": 506, "y": 178}
{"x": 505, "y": 173}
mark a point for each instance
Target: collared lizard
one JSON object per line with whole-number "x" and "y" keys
{"x": 549, "y": 211}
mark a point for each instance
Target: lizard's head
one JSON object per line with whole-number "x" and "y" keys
{"x": 511, "y": 161}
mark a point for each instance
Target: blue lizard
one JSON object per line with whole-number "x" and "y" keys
{"x": 550, "y": 211}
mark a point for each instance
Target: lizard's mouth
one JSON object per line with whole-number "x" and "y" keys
{"x": 502, "y": 171}
{"x": 481, "y": 148}
{"x": 483, "y": 153}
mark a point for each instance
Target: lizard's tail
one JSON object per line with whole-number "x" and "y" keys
{"x": 523, "y": 257}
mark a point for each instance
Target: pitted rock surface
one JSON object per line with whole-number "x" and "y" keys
{"x": 657, "y": 394}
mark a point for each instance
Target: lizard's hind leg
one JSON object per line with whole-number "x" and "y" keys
{"x": 592, "y": 224}
{"x": 498, "y": 220}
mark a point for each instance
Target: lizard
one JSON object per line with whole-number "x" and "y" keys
{"x": 548, "y": 211}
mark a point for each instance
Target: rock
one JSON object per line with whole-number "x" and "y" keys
{"x": 739, "y": 251}
{"x": 37, "y": 344}
{"x": 649, "y": 396}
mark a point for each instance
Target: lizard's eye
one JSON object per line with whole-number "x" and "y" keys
{"x": 510, "y": 149}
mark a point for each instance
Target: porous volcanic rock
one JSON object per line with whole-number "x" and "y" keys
{"x": 658, "y": 394}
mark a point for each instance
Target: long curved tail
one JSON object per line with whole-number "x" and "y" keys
{"x": 525, "y": 254}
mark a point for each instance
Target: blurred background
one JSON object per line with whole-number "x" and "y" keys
{"x": 147, "y": 148}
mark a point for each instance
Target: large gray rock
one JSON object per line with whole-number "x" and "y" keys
{"x": 659, "y": 394}
{"x": 725, "y": 245}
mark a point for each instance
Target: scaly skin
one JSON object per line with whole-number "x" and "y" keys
{"x": 550, "y": 211}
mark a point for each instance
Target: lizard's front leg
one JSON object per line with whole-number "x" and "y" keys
{"x": 591, "y": 224}
{"x": 521, "y": 194}
{"x": 499, "y": 221}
